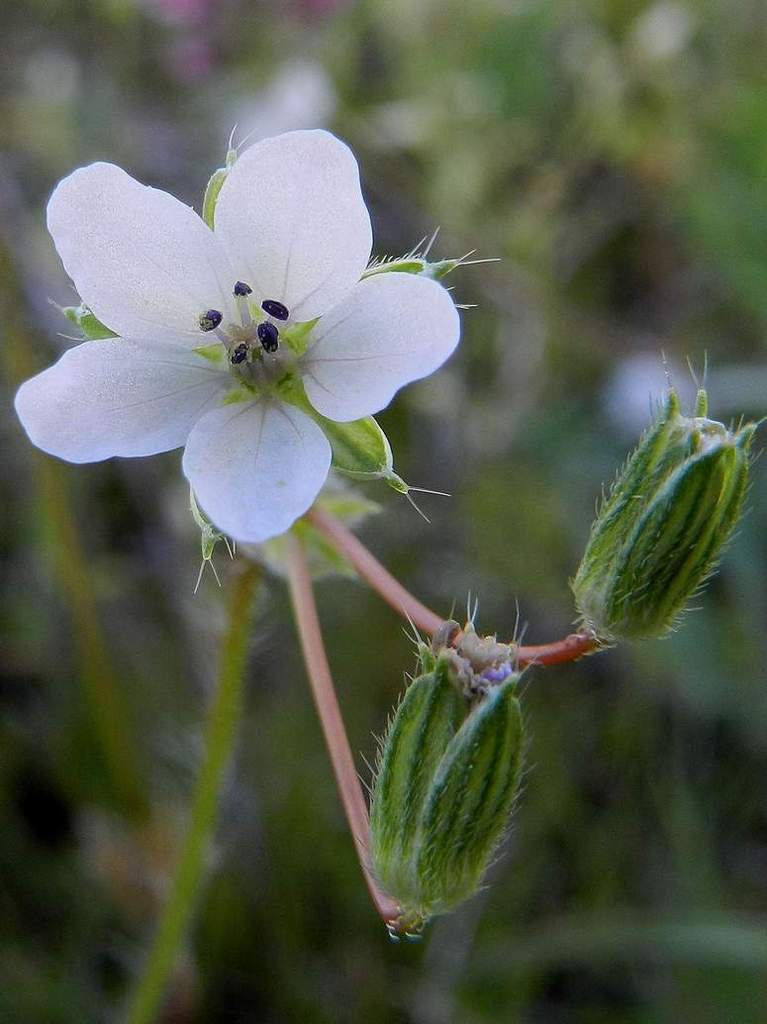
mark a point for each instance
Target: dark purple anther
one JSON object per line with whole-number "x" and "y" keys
{"x": 240, "y": 354}
{"x": 240, "y": 288}
{"x": 269, "y": 336}
{"x": 210, "y": 319}
{"x": 275, "y": 309}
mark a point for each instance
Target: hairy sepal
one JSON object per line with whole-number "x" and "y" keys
{"x": 426, "y": 720}
{"x": 662, "y": 530}
{"x": 470, "y": 800}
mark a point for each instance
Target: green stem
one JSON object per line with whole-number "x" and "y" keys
{"x": 220, "y": 733}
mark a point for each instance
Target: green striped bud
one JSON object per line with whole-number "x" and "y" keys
{"x": 469, "y": 801}
{"x": 662, "y": 529}
{"x": 428, "y": 716}
{"x": 445, "y": 782}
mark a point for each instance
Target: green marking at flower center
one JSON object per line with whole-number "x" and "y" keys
{"x": 262, "y": 347}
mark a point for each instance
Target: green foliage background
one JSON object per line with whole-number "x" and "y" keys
{"x": 614, "y": 154}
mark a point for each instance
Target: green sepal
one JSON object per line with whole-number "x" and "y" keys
{"x": 426, "y": 720}
{"x": 446, "y": 777}
{"x": 441, "y": 268}
{"x": 403, "y": 266}
{"x": 469, "y": 802}
{"x": 361, "y": 449}
{"x": 90, "y": 325}
{"x": 213, "y": 188}
{"x": 414, "y": 265}
{"x": 677, "y": 541}
{"x": 210, "y": 536}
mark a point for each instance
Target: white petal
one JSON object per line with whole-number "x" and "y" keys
{"x": 255, "y": 467}
{"x": 142, "y": 260}
{"x": 293, "y": 220}
{"x": 117, "y": 397}
{"x": 392, "y": 329}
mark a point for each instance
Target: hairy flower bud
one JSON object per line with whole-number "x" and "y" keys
{"x": 426, "y": 719}
{"x": 662, "y": 529}
{"x": 446, "y": 781}
{"x": 469, "y": 801}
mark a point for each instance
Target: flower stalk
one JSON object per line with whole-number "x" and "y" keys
{"x": 570, "y": 648}
{"x": 323, "y": 691}
{"x": 220, "y": 734}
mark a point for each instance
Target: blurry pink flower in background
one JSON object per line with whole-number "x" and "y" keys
{"x": 190, "y": 58}
{"x": 190, "y": 52}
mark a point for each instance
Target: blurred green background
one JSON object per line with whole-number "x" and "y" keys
{"x": 614, "y": 155}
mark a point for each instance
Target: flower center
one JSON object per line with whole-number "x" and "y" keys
{"x": 252, "y": 345}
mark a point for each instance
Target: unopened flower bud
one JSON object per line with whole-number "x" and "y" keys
{"x": 660, "y": 533}
{"x": 446, "y": 781}
{"x": 426, "y": 719}
{"x": 467, "y": 810}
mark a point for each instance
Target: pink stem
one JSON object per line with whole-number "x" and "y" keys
{"x": 402, "y": 601}
{"x": 323, "y": 691}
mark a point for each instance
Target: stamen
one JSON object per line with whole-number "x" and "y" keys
{"x": 268, "y": 335}
{"x": 275, "y": 309}
{"x": 210, "y": 319}
{"x": 240, "y": 354}
{"x": 242, "y": 290}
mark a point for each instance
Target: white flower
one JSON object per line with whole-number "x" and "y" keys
{"x": 277, "y": 288}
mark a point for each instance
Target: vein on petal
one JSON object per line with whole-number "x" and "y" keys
{"x": 324, "y": 387}
{"x": 283, "y": 412}
{"x": 159, "y": 398}
{"x": 385, "y": 356}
